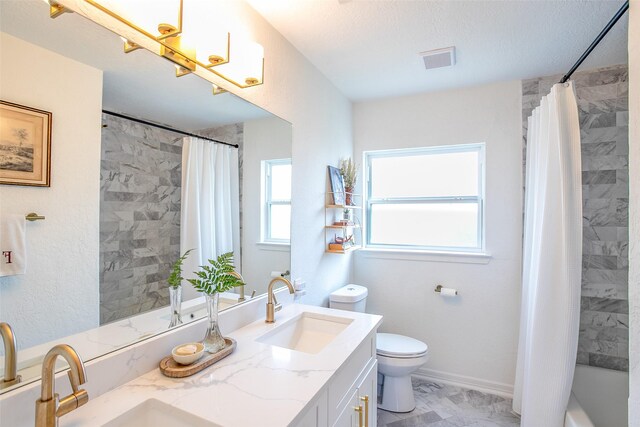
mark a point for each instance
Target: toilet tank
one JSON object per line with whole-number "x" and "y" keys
{"x": 350, "y": 298}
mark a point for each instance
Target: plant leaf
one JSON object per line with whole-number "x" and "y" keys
{"x": 175, "y": 278}
{"x": 217, "y": 276}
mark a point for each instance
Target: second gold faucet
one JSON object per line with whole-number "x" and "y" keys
{"x": 272, "y": 302}
{"x": 10, "y": 357}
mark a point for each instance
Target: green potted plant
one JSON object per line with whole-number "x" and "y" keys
{"x": 349, "y": 172}
{"x": 218, "y": 276}
{"x": 175, "y": 290}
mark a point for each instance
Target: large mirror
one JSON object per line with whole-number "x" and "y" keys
{"x": 118, "y": 211}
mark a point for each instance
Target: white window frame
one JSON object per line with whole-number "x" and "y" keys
{"x": 405, "y": 152}
{"x": 268, "y": 201}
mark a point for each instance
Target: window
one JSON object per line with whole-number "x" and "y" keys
{"x": 277, "y": 201}
{"x": 425, "y": 198}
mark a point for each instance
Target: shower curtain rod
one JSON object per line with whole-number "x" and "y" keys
{"x": 603, "y": 33}
{"x": 182, "y": 132}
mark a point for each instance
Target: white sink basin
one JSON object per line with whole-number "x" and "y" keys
{"x": 154, "y": 413}
{"x": 307, "y": 332}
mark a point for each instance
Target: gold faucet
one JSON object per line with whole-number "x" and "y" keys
{"x": 239, "y": 276}
{"x": 50, "y": 407}
{"x": 272, "y": 302}
{"x": 11, "y": 376}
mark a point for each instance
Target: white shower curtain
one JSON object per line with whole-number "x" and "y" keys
{"x": 550, "y": 315}
{"x": 209, "y": 221}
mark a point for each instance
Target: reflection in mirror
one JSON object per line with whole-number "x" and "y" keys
{"x": 128, "y": 195}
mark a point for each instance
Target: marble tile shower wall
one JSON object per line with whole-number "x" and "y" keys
{"x": 140, "y": 185}
{"x": 603, "y": 109}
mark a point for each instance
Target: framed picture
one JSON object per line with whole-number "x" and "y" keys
{"x": 337, "y": 185}
{"x": 25, "y": 145}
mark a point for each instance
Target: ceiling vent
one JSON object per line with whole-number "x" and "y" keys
{"x": 439, "y": 58}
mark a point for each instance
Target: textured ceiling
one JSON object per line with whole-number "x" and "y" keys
{"x": 139, "y": 83}
{"x": 368, "y": 49}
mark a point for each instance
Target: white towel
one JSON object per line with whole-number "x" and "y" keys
{"x": 13, "y": 248}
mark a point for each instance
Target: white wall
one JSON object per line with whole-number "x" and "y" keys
{"x": 264, "y": 139}
{"x": 62, "y": 251}
{"x": 472, "y": 338}
{"x": 634, "y": 213}
{"x": 297, "y": 92}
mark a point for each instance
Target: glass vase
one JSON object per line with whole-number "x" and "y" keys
{"x": 213, "y": 339}
{"x": 175, "y": 300}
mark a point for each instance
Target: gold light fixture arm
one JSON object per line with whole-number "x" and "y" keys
{"x": 130, "y": 46}
{"x": 217, "y": 90}
{"x": 171, "y": 49}
{"x": 56, "y": 9}
{"x": 181, "y": 71}
{"x": 168, "y": 30}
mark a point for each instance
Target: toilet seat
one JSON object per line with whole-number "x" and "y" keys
{"x": 399, "y": 346}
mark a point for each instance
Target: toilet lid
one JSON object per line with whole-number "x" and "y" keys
{"x": 393, "y": 345}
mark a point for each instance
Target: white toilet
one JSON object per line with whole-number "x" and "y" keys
{"x": 398, "y": 356}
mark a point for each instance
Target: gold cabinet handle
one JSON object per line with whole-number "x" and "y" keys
{"x": 358, "y": 409}
{"x": 366, "y": 410}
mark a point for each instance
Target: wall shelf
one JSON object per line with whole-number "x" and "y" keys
{"x": 350, "y": 233}
{"x": 343, "y": 251}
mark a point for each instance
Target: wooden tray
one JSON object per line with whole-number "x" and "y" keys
{"x": 171, "y": 368}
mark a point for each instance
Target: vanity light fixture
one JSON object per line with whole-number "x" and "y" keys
{"x": 161, "y": 19}
{"x": 247, "y": 67}
{"x": 181, "y": 71}
{"x": 194, "y": 44}
{"x": 129, "y": 46}
{"x": 56, "y": 9}
{"x": 172, "y": 50}
{"x": 217, "y": 90}
{"x": 205, "y": 31}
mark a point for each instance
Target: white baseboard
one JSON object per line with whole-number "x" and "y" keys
{"x": 485, "y": 386}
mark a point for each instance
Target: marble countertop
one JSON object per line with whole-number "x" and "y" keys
{"x": 257, "y": 384}
{"x": 110, "y": 337}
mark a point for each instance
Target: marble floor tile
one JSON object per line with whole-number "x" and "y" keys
{"x": 439, "y": 405}
{"x": 425, "y": 418}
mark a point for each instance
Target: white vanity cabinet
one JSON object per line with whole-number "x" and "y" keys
{"x": 352, "y": 389}
{"x": 316, "y": 415}
{"x": 360, "y": 410}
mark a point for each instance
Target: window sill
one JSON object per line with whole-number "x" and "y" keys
{"x": 428, "y": 256}
{"x": 273, "y": 246}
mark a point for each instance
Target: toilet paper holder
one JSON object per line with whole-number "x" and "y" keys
{"x": 439, "y": 289}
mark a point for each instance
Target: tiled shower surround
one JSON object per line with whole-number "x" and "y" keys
{"x": 140, "y": 178}
{"x": 603, "y": 109}
{"x": 140, "y": 192}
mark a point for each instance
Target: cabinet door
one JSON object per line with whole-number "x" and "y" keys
{"x": 349, "y": 415}
{"x": 316, "y": 415}
{"x": 368, "y": 396}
